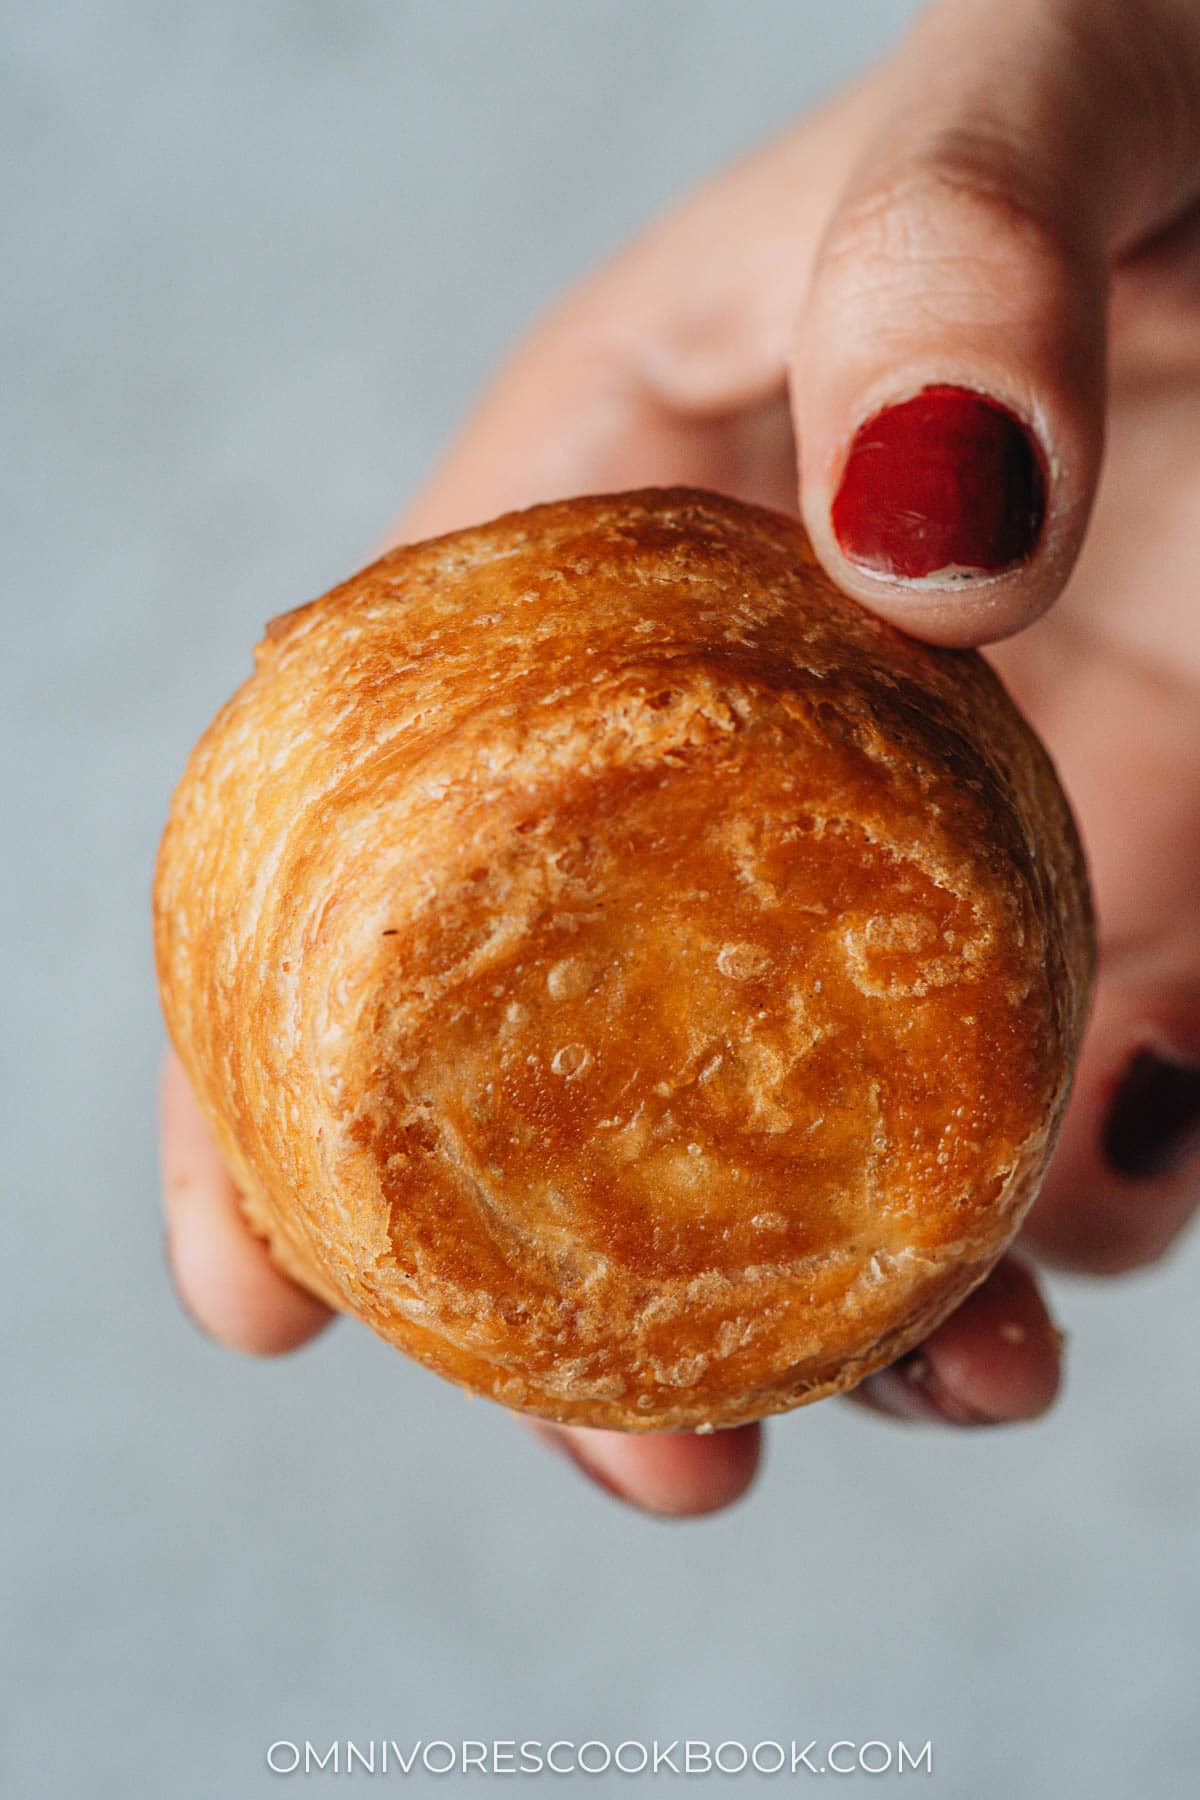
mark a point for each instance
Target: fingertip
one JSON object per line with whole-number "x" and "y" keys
{"x": 224, "y": 1275}
{"x": 1125, "y": 1180}
{"x": 934, "y": 515}
{"x": 229, "y": 1287}
{"x": 1001, "y": 1353}
{"x": 949, "y": 366}
{"x": 949, "y": 496}
{"x": 997, "y": 1360}
{"x": 670, "y": 1475}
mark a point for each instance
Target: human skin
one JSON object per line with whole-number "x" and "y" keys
{"x": 1009, "y": 206}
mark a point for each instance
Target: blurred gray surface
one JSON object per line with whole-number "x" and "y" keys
{"x": 259, "y": 257}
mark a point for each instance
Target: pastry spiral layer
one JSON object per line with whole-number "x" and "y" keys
{"x": 635, "y": 980}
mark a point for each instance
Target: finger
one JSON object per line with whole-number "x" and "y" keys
{"x": 1125, "y": 1178}
{"x": 674, "y": 1475}
{"x": 224, "y": 1274}
{"x": 948, "y": 376}
{"x": 996, "y": 1361}
{"x": 1126, "y": 1175}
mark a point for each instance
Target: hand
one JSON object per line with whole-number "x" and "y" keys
{"x": 1009, "y": 208}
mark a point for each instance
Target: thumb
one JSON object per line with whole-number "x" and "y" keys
{"x": 948, "y": 380}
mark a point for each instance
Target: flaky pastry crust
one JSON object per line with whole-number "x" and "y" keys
{"x": 636, "y": 981}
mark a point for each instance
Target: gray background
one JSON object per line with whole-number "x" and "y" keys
{"x": 258, "y": 259}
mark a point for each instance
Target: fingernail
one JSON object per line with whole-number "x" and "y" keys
{"x": 1154, "y": 1122}
{"x": 910, "y": 1389}
{"x": 947, "y": 484}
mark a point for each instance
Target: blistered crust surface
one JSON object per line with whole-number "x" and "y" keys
{"x": 639, "y": 983}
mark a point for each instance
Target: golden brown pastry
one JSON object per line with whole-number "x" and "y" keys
{"x": 638, "y": 982}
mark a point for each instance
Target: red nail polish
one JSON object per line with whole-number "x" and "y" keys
{"x": 948, "y": 482}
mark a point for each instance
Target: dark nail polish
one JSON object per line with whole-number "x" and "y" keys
{"x": 1154, "y": 1123}
{"x": 948, "y": 483}
{"x": 909, "y": 1389}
